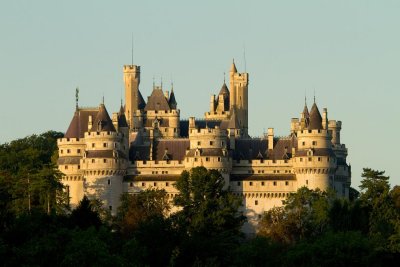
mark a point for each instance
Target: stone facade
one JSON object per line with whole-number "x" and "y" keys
{"x": 147, "y": 145}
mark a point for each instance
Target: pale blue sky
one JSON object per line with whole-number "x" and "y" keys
{"x": 348, "y": 51}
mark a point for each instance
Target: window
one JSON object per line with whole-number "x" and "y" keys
{"x": 238, "y": 183}
{"x": 93, "y": 160}
{"x": 155, "y": 184}
{"x": 93, "y": 144}
{"x": 251, "y": 183}
{"x": 219, "y": 159}
{"x": 286, "y": 183}
{"x": 319, "y": 158}
{"x": 207, "y": 159}
{"x": 309, "y": 159}
{"x": 79, "y": 167}
{"x": 108, "y": 181}
{"x": 166, "y": 184}
{"x": 61, "y": 151}
{"x": 211, "y": 143}
{"x": 66, "y": 167}
{"x": 306, "y": 182}
{"x": 304, "y": 143}
{"x": 131, "y": 184}
{"x": 314, "y": 143}
{"x": 104, "y": 144}
{"x": 104, "y": 160}
{"x": 262, "y": 183}
{"x": 143, "y": 184}
{"x": 110, "y": 207}
{"x": 274, "y": 183}
{"x": 198, "y": 143}
{"x": 301, "y": 159}
{"x": 256, "y": 202}
{"x": 78, "y": 151}
{"x": 68, "y": 151}
{"x": 195, "y": 159}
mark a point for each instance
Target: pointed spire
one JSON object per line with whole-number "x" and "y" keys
{"x": 233, "y": 67}
{"x": 77, "y": 97}
{"x": 224, "y": 77}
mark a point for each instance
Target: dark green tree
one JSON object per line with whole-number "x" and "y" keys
{"x": 208, "y": 220}
{"x": 304, "y": 214}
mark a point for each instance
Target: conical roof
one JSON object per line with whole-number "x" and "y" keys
{"x": 121, "y": 118}
{"x": 233, "y": 121}
{"x": 315, "y": 118}
{"x": 79, "y": 122}
{"x": 141, "y": 102}
{"x": 172, "y": 101}
{"x": 233, "y": 67}
{"x": 74, "y": 127}
{"x": 305, "y": 112}
{"x": 225, "y": 93}
{"x": 103, "y": 121}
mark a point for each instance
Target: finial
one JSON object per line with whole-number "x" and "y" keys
{"x": 154, "y": 85}
{"x": 103, "y": 98}
{"x": 161, "y": 82}
{"x": 172, "y": 86}
{"x": 132, "y": 48}
{"x": 305, "y": 100}
{"x": 224, "y": 77}
{"x": 244, "y": 57}
{"x": 314, "y": 96}
{"x": 121, "y": 101}
{"x": 77, "y": 97}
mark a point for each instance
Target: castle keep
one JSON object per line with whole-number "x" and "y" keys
{"x": 147, "y": 145}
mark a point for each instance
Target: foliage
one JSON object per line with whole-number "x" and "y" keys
{"x": 136, "y": 209}
{"x": 208, "y": 220}
{"x": 304, "y": 214}
{"x": 29, "y": 178}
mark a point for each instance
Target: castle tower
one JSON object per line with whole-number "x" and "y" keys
{"x": 315, "y": 161}
{"x": 104, "y": 162}
{"x": 132, "y": 94}
{"x": 239, "y": 96}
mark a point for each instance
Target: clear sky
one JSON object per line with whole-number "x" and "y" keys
{"x": 347, "y": 51}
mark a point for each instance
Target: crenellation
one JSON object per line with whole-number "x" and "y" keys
{"x": 148, "y": 145}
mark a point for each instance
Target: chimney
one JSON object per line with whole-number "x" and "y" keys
{"x": 271, "y": 138}
{"x": 90, "y": 123}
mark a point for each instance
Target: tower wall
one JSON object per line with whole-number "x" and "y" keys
{"x": 132, "y": 81}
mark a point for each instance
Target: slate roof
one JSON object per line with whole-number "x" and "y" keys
{"x": 315, "y": 118}
{"x": 141, "y": 102}
{"x": 121, "y": 118}
{"x": 157, "y": 101}
{"x": 172, "y": 101}
{"x": 79, "y": 122}
{"x": 173, "y": 149}
{"x": 212, "y": 152}
{"x": 104, "y": 154}
{"x": 68, "y": 160}
{"x": 248, "y": 149}
{"x": 103, "y": 121}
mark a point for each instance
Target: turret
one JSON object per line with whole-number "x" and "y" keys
{"x": 239, "y": 96}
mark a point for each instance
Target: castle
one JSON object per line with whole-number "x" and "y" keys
{"x": 147, "y": 145}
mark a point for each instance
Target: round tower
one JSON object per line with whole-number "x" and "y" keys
{"x": 208, "y": 148}
{"x": 314, "y": 162}
{"x": 104, "y": 162}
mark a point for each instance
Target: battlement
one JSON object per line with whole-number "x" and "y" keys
{"x": 70, "y": 141}
{"x": 101, "y": 134}
{"x": 131, "y": 68}
{"x": 157, "y": 163}
{"x": 334, "y": 124}
{"x": 262, "y": 163}
{"x": 200, "y": 132}
{"x": 304, "y": 133}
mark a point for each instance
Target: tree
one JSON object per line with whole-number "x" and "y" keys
{"x": 208, "y": 220}
{"x": 304, "y": 214}
{"x": 136, "y": 209}
{"x": 84, "y": 215}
